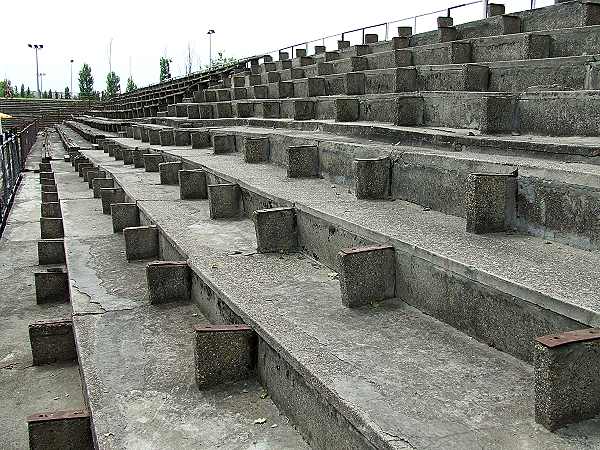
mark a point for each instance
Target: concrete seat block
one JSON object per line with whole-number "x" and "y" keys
{"x": 65, "y": 430}
{"x": 447, "y": 34}
{"x": 276, "y": 230}
{"x": 52, "y": 341}
{"x": 51, "y": 228}
{"x": 127, "y": 156}
{"x": 239, "y": 81}
{"x": 138, "y": 157}
{"x": 239, "y": 93}
{"x": 93, "y": 174}
{"x": 304, "y": 109}
{"x": 200, "y": 139}
{"x": 124, "y": 215}
{"x": 47, "y": 182}
{"x": 207, "y": 111}
{"x": 166, "y": 137}
{"x": 320, "y": 49}
{"x": 51, "y": 210}
{"x": 51, "y": 251}
{"x": 490, "y": 202}
{"x": 405, "y": 31}
{"x": 141, "y": 242}
{"x": 223, "y": 354}
{"x": 193, "y": 112}
{"x": 45, "y": 167}
{"x": 371, "y": 38}
{"x": 256, "y": 149}
{"x": 367, "y": 275}
{"x": 342, "y": 45}
{"x": 223, "y": 95}
{"x": 172, "y": 110}
{"x": 271, "y": 109}
{"x": 168, "y": 281}
{"x": 46, "y": 175}
{"x": 223, "y": 110}
{"x": 244, "y": 109}
{"x": 347, "y": 109}
{"x": 110, "y": 196}
{"x": 410, "y": 111}
{"x": 210, "y": 95}
{"x": 303, "y": 161}
{"x": 151, "y": 161}
{"x": 118, "y": 152}
{"x": 567, "y": 386}
{"x": 52, "y": 286}
{"x": 192, "y": 185}
{"x": 223, "y": 143}
{"x": 84, "y": 166}
{"x": 169, "y": 172}
{"x": 154, "y": 136}
{"x": 224, "y": 201}
{"x": 354, "y": 83}
{"x": 101, "y": 183}
{"x": 260, "y": 91}
{"x": 49, "y": 197}
{"x": 144, "y": 132}
{"x": 182, "y": 137}
{"x": 372, "y": 178}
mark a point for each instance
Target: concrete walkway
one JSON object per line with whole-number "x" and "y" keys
{"x": 27, "y": 389}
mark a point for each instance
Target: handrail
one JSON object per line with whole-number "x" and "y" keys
{"x": 322, "y": 39}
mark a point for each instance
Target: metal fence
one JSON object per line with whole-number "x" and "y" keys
{"x": 14, "y": 149}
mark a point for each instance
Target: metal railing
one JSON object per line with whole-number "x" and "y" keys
{"x": 412, "y": 20}
{"x": 14, "y": 149}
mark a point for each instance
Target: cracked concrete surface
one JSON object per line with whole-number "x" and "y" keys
{"x": 26, "y": 389}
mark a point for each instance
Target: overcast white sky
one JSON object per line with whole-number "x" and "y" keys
{"x": 146, "y": 30}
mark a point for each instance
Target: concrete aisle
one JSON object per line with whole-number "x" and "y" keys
{"x": 25, "y": 389}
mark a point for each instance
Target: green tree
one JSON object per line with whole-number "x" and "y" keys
{"x": 113, "y": 86}
{"x": 221, "y": 60}
{"x": 165, "y": 72}
{"x": 67, "y": 93}
{"x": 131, "y": 86}
{"x": 86, "y": 82}
{"x": 50, "y": 94}
{"x": 22, "y": 91}
{"x": 28, "y": 93}
{"x": 6, "y": 89}
{"x": 44, "y": 94}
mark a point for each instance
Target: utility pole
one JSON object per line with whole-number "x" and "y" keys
{"x": 72, "y": 78}
{"x": 210, "y": 33}
{"x": 37, "y": 70}
{"x": 485, "y": 8}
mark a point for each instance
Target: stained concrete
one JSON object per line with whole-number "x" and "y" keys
{"x": 137, "y": 359}
{"x": 26, "y": 389}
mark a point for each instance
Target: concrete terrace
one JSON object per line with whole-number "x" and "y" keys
{"x": 392, "y": 245}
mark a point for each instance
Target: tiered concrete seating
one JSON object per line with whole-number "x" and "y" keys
{"x": 405, "y": 225}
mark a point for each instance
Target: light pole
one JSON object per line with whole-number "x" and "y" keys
{"x": 210, "y": 33}
{"x": 71, "y": 93}
{"x": 42, "y": 75}
{"x": 37, "y": 70}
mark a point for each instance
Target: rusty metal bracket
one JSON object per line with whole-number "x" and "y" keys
{"x": 569, "y": 337}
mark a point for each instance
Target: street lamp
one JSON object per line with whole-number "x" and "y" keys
{"x": 71, "y": 93}
{"x": 210, "y": 33}
{"x": 37, "y": 71}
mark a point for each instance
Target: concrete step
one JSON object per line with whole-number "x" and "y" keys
{"x": 153, "y": 364}
{"x": 355, "y": 212}
{"x": 289, "y": 284}
{"x": 488, "y": 112}
{"x": 436, "y": 179}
